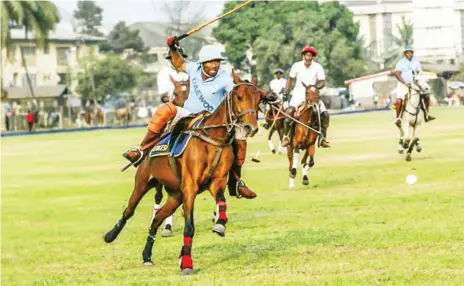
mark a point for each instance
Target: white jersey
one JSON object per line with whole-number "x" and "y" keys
{"x": 277, "y": 85}
{"x": 308, "y": 76}
{"x": 164, "y": 81}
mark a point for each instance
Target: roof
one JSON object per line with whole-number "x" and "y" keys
{"x": 39, "y": 91}
{"x": 350, "y": 81}
{"x": 439, "y": 68}
{"x": 155, "y": 34}
{"x": 60, "y": 34}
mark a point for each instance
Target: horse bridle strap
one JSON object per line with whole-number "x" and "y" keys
{"x": 298, "y": 121}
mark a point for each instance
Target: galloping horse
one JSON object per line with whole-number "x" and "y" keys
{"x": 304, "y": 135}
{"x": 275, "y": 121}
{"x": 203, "y": 165}
{"x": 412, "y": 117}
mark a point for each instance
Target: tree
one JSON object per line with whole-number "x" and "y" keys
{"x": 89, "y": 17}
{"x": 184, "y": 16}
{"x": 36, "y": 17}
{"x": 280, "y": 30}
{"x": 106, "y": 76}
{"x": 405, "y": 31}
{"x": 122, "y": 38}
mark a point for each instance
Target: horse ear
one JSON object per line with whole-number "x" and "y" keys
{"x": 236, "y": 78}
{"x": 305, "y": 86}
{"x": 172, "y": 80}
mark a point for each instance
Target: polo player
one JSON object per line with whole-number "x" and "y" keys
{"x": 209, "y": 85}
{"x": 309, "y": 72}
{"x": 404, "y": 72}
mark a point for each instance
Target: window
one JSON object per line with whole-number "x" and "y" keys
{"x": 32, "y": 77}
{"x": 62, "y": 56}
{"x": 29, "y": 55}
{"x": 63, "y": 78}
{"x": 387, "y": 32}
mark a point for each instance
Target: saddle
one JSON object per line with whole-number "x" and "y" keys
{"x": 174, "y": 143}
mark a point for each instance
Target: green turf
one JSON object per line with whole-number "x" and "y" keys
{"x": 358, "y": 223}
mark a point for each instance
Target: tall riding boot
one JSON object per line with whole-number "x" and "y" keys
{"x": 325, "y": 124}
{"x": 163, "y": 115}
{"x": 399, "y": 109}
{"x": 236, "y": 186}
{"x": 428, "y": 117}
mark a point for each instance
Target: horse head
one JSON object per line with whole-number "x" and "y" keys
{"x": 244, "y": 103}
{"x": 422, "y": 83}
{"x": 181, "y": 91}
{"x": 312, "y": 93}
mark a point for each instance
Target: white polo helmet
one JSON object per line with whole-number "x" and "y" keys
{"x": 210, "y": 53}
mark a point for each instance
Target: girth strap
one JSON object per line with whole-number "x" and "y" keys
{"x": 215, "y": 163}
{"x": 175, "y": 169}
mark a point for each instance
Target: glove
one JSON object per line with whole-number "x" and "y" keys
{"x": 172, "y": 42}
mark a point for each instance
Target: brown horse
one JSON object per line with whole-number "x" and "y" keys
{"x": 275, "y": 121}
{"x": 304, "y": 135}
{"x": 88, "y": 116}
{"x": 204, "y": 165}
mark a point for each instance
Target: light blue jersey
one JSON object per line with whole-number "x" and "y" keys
{"x": 407, "y": 67}
{"x": 206, "y": 94}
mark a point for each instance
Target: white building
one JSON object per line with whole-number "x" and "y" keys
{"x": 438, "y": 26}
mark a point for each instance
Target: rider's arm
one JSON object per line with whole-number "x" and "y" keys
{"x": 397, "y": 73}
{"x": 177, "y": 61}
{"x": 320, "y": 83}
{"x": 291, "y": 77}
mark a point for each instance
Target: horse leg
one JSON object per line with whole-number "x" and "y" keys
{"x": 416, "y": 136}
{"x": 190, "y": 192}
{"x": 280, "y": 131}
{"x": 167, "y": 231}
{"x": 142, "y": 186}
{"x": 271, "y": 145}
{"x": 167, "y": 210}
{"x": 292, "y": 171}
{"x": 216, "y": 189}
{"x": 304, "y": 168}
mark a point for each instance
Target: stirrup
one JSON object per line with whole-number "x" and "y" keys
{"x": 240, "y": 183}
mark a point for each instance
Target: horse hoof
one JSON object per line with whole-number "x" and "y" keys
{"x": 293, "y": 173}
{"x": 187, "y": 271}
{"x": 305, "y": 180}
{"x": 408, "y": 158}
{"x": 109, "y": 237}
{"x": 419, "y": 149}
{"x": 273, "y": 151}
{"x": 166, "y": 233}
{"x": 148, "y": 263}
{"x": 219, "y": 229}
{"x": 400, "y": 151}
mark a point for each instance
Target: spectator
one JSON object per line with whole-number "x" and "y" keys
{"x": 30, "y": 120}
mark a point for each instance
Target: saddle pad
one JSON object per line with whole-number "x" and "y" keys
{"x": 173, "y": 146}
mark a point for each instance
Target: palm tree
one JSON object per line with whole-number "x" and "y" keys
{"x": 38, "y": 17}
{"x": 405, "y": 39}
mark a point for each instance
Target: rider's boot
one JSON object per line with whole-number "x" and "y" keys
{"x": 399, "y": 109}
{"x": 235, "y": 184}
{"x": 428, "y": 117}
{"x": 288, "y": 126}
{"x": 162, "y": 116}
{"x": 325, "y": 124}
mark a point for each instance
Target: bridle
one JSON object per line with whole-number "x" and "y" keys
{"x": 230, "y": 124}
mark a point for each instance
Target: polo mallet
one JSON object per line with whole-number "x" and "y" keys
{"x": 276, "y": 116}
{"x": 193, "y": 31}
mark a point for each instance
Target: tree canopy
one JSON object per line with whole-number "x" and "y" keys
{"x": 89, "y": 16}
{"x": 121, "y": 38}
{"x": 276, "y": 32}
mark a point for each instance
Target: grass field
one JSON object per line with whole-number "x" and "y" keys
{"x": 358, "y": 223}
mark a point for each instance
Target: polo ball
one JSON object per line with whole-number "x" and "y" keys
{"x": 411, "y": 179}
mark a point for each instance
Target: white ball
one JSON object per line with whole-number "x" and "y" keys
{"x": 411, "y": 179}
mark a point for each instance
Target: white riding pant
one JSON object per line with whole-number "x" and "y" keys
{"x": 296, "y": 101}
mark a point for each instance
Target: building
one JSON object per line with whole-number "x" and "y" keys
{"x": 438, "y": 27}
{"x": 56, "y": 64}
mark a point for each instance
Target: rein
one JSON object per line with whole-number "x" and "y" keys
{"x": 297, "y": 121}
{"x": 232, "y": 119}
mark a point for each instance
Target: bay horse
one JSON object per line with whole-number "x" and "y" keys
{"x": 412, "y": 117}
{"x": 304, "y": 135}
{"x": 203, "y": 165}
{"x": 88, "y": 116}
{"x": 275, "y": 122}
